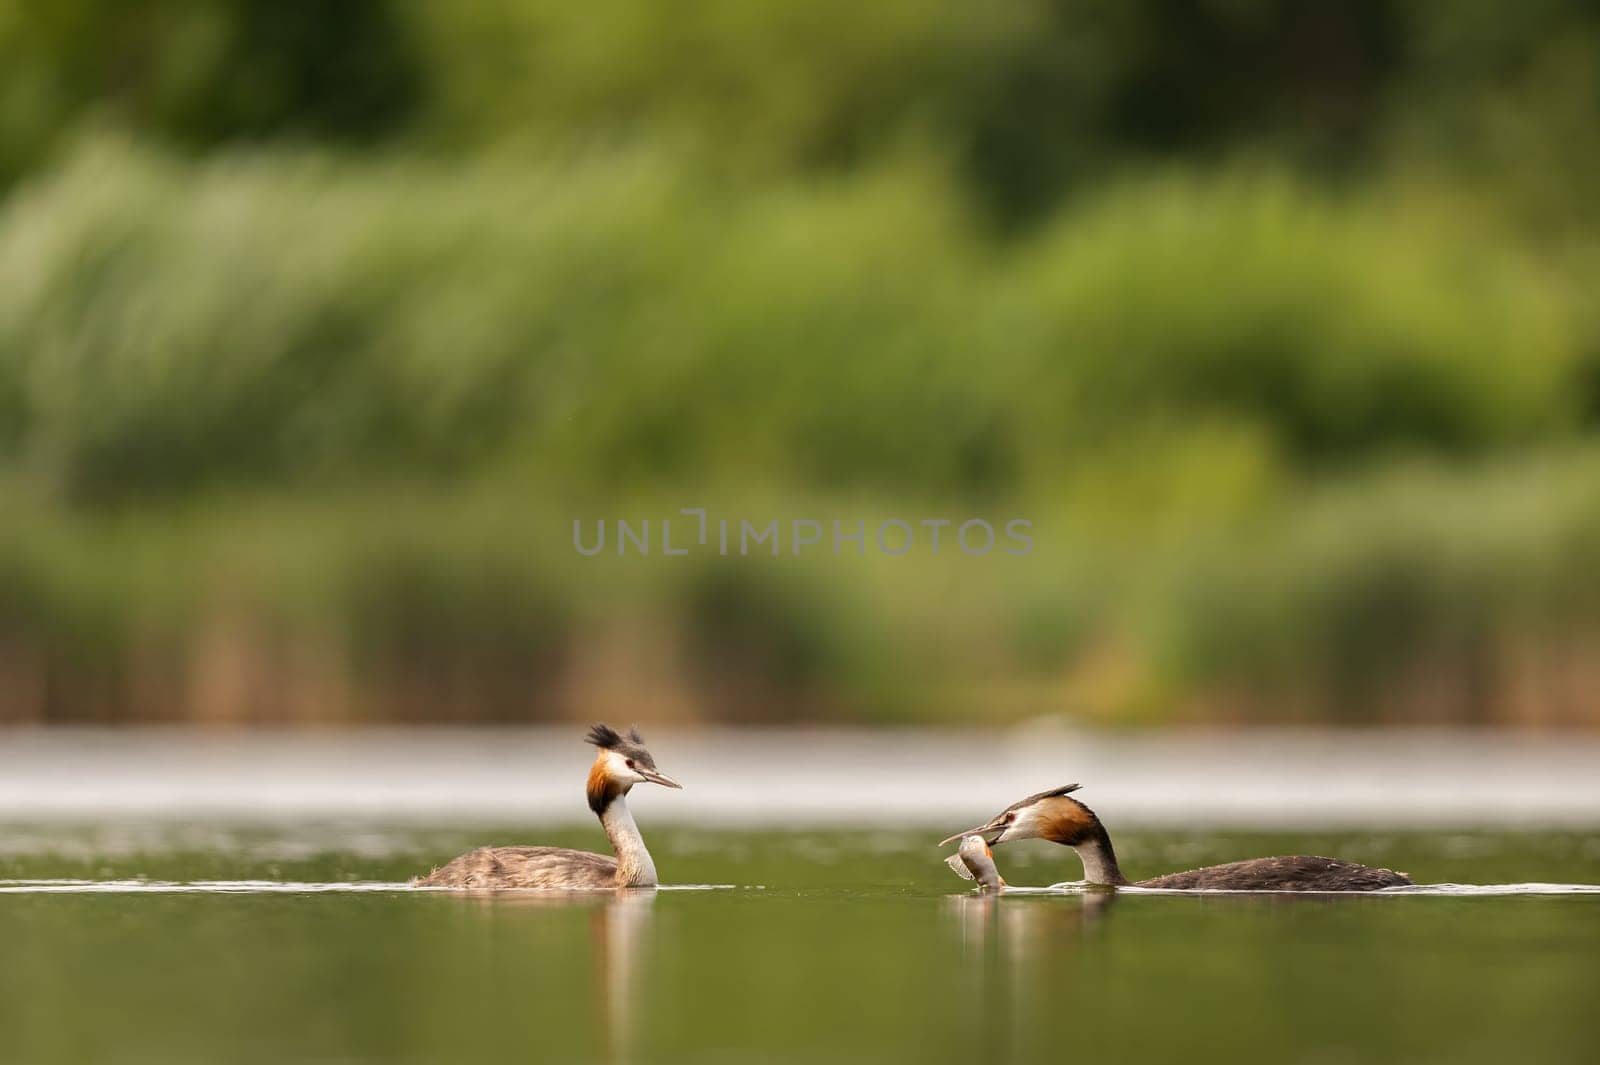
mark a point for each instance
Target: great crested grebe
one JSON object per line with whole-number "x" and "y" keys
{"x": 1051, "y": 815}
{"x": 973, "y": 860}
{"x": 620, "y": 763}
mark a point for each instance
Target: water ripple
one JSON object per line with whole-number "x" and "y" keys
{"x": 1440, "y": 890}
{"x": 268, "y": 887}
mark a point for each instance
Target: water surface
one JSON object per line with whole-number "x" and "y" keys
{"x": 166, "y": 943}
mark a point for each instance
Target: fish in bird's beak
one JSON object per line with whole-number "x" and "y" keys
{"x": 992, "y": 833}
{"x": 653, "y": 777}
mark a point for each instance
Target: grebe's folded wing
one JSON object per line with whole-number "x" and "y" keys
{"x": 528, "y": 867}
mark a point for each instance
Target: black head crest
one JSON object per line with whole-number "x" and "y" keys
{"x": 1051, "y": 794}
{"x": 631, "y": 746}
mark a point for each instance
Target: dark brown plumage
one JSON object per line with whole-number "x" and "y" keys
{"x": 1296, "y": 872}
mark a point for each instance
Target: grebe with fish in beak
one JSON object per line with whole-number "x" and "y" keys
{"x": 620, "y": 763}
{"x": 1053, "y": 816}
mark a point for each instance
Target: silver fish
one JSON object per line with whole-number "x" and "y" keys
{"x": 974, "y": 861}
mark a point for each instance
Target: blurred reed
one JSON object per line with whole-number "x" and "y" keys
{"x": 312, "y": 345}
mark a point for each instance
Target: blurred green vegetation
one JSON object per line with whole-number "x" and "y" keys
{"x": 319, "y": 327}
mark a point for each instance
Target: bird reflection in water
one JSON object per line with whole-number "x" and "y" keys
{"x": 1013, "y": 943}
{"x": 619, "y": 940}
{"x": 620, "y": 934}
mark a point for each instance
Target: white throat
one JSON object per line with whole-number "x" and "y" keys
{"x": 634, "y": 867}
{"x": 1098, "y": 866}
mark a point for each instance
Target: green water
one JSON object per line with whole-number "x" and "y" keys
{"x": 836, "y": 947}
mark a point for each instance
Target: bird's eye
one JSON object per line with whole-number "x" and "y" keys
{"x": 630, "y": 763}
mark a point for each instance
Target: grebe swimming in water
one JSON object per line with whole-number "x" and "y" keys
{"x": 973, "y": 860}
{"x": 1051, "y": 815}
{"x": 620, "y": 763}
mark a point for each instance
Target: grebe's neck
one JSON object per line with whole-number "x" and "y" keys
{"x": 634, "y": 867}
{"x": 1099, "y": 858}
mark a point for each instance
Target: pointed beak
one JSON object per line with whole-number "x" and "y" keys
{"x": 994, "y": 827}
{"x": 659, "y": 778}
